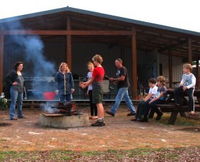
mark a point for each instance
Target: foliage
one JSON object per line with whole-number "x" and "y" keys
{"x": 3, "y": 103}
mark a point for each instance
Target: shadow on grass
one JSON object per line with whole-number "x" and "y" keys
{"x": 181, "y": 121}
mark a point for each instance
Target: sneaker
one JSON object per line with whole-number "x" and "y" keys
{"x": 131, "y": 114}
{"x": 159, "y": 116}
{"x": 21, "y": 117}
{"x": 13, "y": 118}
{"x": 98, "y": 124}
{"x": 110, "y": 113}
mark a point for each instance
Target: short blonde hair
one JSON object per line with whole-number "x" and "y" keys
{"x": 187, "y": 66}
{"x": 98, "y": 58}
{"x": 90, "y": 63}
{"x": 61, "y": 65}
{"x": 161, "y": 79}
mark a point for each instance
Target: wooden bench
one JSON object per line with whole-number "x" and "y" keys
{"x": 174, "y": 109}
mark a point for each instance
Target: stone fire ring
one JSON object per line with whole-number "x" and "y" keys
{"x": 62, "y": 121}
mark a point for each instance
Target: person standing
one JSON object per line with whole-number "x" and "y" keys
{"x": 123, "y": 84}
{"x": 97, "y": 92}
{"x": 65, "y": 83}
{"x": 15, "y": 81}
{"x": 93, "y": 107}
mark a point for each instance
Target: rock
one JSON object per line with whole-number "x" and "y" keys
{"x": 64, "y": 121}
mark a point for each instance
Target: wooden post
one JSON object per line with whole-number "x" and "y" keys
{"x": 170, "y": 69}
{"x": 134, "y": 65}
{"x": 69, "y": 45}
{"x": 197, "y": 72}
{"x": 1, "y": 61}
{"x": 189, "y": 50}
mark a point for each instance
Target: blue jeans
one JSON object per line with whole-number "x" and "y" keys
{"x": 122, "y": 94}
{"x": 16, "y": 99}
{"x": 65, "y": 98}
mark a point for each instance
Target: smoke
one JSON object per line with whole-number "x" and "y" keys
{"x": 47, "y": 107}
{"x": 33, "y": 52}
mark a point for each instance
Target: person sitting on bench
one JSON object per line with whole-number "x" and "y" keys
{"x": 186, "y": 87}
{"x": 160, "y": 99}
{"x": 141, "y": 114}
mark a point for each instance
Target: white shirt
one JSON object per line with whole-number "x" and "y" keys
{"x": 188, "y": 80}
{"x": 153, "y": 91}
{"x": 89, "y": 76}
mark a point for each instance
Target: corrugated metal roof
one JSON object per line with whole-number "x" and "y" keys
{"x": 101, "y": 15}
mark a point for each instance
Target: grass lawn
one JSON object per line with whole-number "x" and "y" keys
{"x": 147, "y": 154}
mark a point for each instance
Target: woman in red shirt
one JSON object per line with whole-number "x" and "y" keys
{"x": 97, "y": 94}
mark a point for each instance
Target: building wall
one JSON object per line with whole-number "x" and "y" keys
{"x": 176, "y": 67}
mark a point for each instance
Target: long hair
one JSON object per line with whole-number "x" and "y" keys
{"x": 61, "y": 65}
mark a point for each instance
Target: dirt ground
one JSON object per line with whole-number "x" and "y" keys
{"x": 119, "y": 134}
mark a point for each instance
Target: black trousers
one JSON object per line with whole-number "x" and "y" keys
{"x": 93, "y": 107}
{"x": 142, "y": 110}
{"x": 179, "y": 94}
{"x": 154, "y": 109}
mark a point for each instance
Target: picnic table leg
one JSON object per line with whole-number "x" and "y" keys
{"x": 173, "y": 117}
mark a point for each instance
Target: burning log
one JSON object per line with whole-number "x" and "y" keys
{"x": 67, "y": 109}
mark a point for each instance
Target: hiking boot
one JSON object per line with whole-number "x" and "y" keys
{"x": 131, "y": 114}
{"x": 98, "y": 124}
{"x": 159, "y": 116}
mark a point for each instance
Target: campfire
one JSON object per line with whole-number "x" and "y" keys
{"x": 60, "y": 109}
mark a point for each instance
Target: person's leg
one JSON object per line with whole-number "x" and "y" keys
{"x": 91, "y": 103}
{"x": 98, "y": 99}
{"x": 13, "y": 97}
{"x": 155, "y": 109}
{"x": 62, "y": 98}
{"x": 129, "y": 102}
{"x": 178, "y": 95}
{"x": 100, "y": 110}
{"x": 190, "y": 93}
{"x": 118, "y": 99}
{"x": 68, "y": 98}
{"x": 139, "y": 109}
{"x": 145, "y": 111}
{"x": 19, "y": 105}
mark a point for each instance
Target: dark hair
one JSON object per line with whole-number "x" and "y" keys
{"x": 120, "y": 60}
{"x": 17, "y": 65}
{"x": 152, "y": 81}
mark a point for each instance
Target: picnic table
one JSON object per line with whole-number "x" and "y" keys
{"x": 174, "y": 110}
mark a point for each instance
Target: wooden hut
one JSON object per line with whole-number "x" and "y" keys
{"x": 74, "y": 35}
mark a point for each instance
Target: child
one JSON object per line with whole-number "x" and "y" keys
{"x": 159, "y": 99}
{"x": 97, "y": 93}
{"x": 187, "y": 86}
{"x": 93, "y": 107}
{"x": 142, "y": 114}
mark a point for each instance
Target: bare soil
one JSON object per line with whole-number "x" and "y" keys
{"x": 119, "y": 134}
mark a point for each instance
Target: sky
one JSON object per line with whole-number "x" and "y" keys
{"x": 183, "y": 14}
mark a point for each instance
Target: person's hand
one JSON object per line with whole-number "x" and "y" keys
{"x": 72, "y": 90}
{"x": 80, "y": 84}
{"x": 111, "y": 79}
{"x": 56, "y": 91}
{"x": 15, "y": 83}
{"x": 184, "y": 88}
